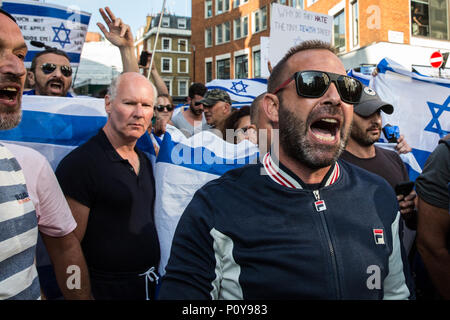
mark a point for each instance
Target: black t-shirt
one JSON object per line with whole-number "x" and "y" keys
{"x": 121, "y": 234}
{"x": 386, "y": 164}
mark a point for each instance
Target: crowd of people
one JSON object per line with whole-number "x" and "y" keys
{"x": 323, "y": 221}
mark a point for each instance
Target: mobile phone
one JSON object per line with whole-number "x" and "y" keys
{"x": 143, "y": 60}
{"x": 404, "y": 188}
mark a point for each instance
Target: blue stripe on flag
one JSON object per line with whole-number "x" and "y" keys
{"x": 43, "y": 11}
{"x": 200, "y": 158}
{"x": 52, "y": 128}
{"x": 232, "y": 92}
{"x": 73, "y": 57}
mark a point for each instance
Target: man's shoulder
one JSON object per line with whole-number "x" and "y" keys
{"x": 361, "y": 175}
{"x": 84, "y": 153}
{"x": 235, "y": 178}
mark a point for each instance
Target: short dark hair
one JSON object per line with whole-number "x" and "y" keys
{"x": 232, "y": 120}
{"x": 197, "y": 88}
{"x": 8, "y": 15}
{"x": 279, "y": 75}
{"x": 47, "y": 51}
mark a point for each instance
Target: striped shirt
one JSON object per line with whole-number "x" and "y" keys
{"x": 18, "y": 233}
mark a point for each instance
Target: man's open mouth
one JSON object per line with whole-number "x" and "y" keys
{"x": 325, "y": 129}
{"x": 9, "y": 93}
{"x": 56, "y": 85}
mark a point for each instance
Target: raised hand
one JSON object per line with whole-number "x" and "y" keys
{"x": 119, "y": 33}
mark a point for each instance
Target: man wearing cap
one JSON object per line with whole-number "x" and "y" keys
{"x": 361, "y": 150}
{"x": 217, "y": 106}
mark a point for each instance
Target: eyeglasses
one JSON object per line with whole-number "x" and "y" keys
{"x": 48, "y": 68}
{"x": 161, "y": 108}
{"x": 314, "y": 84}
{"x": 197, "y": 103}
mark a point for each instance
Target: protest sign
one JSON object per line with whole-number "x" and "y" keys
{"x": 265, "y": 47}
{"x": 290, "y": 27}
{"x": 56, "y": 26}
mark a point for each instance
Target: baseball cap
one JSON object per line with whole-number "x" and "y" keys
{"x": 213, "y": 96}
{"x": 370, "y": 103}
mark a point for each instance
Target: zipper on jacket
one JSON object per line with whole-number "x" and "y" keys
{"x": 330, "y": 243}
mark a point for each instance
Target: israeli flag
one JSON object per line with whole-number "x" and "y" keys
{"x": 56, "y": 26}
{"x": 182, "y": 167}
{"x": 54, "y": 126}
{"x": 242, "y": 91}
{"x": 364, "y": 78}
{"x": 421, "y": 106}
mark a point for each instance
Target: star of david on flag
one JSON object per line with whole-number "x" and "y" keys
{"x": 437, "y": 111}
{"x": 239, "y": 87}
{"x": 61, "y": 29}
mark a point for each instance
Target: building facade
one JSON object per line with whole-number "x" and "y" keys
{"x": 226, "y": 34}
{"x": 173, "y": 57}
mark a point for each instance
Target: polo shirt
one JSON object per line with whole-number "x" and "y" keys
{"x": 121, "y": 234}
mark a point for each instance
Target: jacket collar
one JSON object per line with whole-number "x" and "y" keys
{"x": 283, "y": 176}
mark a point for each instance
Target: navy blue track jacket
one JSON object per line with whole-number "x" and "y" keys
{"x": 256, "y": 233}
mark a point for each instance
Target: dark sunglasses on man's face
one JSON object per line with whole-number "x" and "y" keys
{"x": 161, "y": 108}
{"x": 197, "y": 103}
{"x": 314, "y": 84}
{"x": 48, "y": 68}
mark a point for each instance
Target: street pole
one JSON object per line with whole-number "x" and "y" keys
{"x": 156, "y": 39}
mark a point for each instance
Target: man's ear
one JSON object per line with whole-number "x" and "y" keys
{"x": 226, "y": 108}
{"x": 270, "y": 105}
{"x": 31, "y": 79}
{"x": 108, "y": 104}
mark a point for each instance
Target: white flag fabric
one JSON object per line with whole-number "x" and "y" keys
{"x": 56, "y": 26}
{"x": 54, "y": 126}
{"x": 182, "y": 167}
{"x": 242, "y": 91}
{"x": 421, "y": 106}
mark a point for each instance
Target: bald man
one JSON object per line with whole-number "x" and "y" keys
{"x": 109, "y": 185}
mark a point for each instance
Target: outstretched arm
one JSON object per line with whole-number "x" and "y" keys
{"x": 120, "y": 35}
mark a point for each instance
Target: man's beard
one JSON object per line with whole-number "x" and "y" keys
{"x": 10, "y": 120}
{"x": 362, "y": 137}
{"x": 294, "y": 141}
{"x": 196, "y": 112}
{"x": 46, "y": 89}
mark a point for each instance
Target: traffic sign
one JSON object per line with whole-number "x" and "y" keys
{"x": 436, "y": 59}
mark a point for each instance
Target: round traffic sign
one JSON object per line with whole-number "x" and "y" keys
{"x": 436, "y": 59}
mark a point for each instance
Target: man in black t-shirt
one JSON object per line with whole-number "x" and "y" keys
{"x": 361, "y": 151}
{"x": 109, "y": 185}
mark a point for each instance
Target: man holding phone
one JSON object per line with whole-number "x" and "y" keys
{"x": 361, "y": 151}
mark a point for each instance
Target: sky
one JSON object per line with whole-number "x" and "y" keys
{"x": 132, "y": 12}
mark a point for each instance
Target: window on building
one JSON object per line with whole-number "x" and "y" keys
{"x": 166, "y": 44}
{"x": 183, "y": 65}
{"x": 257, "y": 64}
{"x": 166, "y": 64}
{"x": 285, "y": 2}
{"x": 339, "y": 31}
{"x": 430, "y": 19}
{"x": 182, "y": 88}
{"x": 223, "y": 69}
{"x": 222, "y": 6}
{"x": 182, "y": 45}
{"x": 241, "y": 27}
{"x": 208, "y": 9}
{"x": 208, "y": 37}
{"x": 298, "y": 4}
{"x": 223, "y": 32}
{"x": 208, "y": 71}
{"x": 237, "y": 3}
{"x": 168, "y": 84}
{"x": 259, "y": 20}
{"x": 355, "y": 23}
{"x": 241, "y": 67}
{"x": 166, "y": 22}
{"x": 181, "y": 23}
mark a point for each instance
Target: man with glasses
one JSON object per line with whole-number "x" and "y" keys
{"x": 299, "y": 225}
{"x": 50, "y": 74}
{"x": 192, "y": 120}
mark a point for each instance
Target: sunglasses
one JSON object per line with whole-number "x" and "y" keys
{"x": 161, "y": 108}
{"x": 314, "y": 84}
{"x": 48, "y": 68}
{"x": 197, "y": 103}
